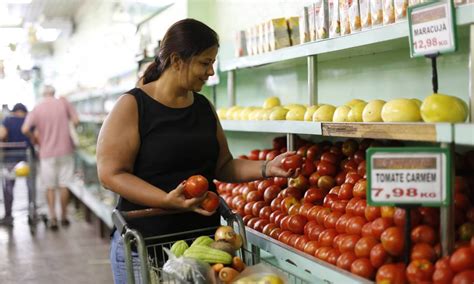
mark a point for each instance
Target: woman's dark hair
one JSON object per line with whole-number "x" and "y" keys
{"x": 186, "y": 38}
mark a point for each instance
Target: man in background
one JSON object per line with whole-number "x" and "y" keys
{"x": 51, "y": 117}
{"x": 10, "y": 131}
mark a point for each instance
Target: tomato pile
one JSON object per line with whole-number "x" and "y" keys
{"x": 323, "y": 212}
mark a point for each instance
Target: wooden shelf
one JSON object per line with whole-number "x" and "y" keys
{"x": 429, "y": 132}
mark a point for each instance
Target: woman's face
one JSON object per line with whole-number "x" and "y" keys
{"x": 199, "y": 69}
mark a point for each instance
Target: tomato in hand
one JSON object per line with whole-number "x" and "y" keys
{"x": 195, "y": 186}
{"x": 211, "y": 202}
{"x": 292, "y": 162}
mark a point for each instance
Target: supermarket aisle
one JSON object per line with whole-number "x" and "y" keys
{"x": 71, "y": 255}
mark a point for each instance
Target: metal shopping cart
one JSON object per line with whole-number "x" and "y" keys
{"x": 11, "y": 153}
{"x": 150, "y": 268}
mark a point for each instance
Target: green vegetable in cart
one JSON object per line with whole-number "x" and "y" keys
{"x": 208, "y": 254}
{"x": 223, "y": 246}
{"x": 203, "y": 240}
{"x": 179, "y": 248}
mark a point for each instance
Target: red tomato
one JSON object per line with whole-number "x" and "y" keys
{"x": 268, "y": 228}
{"x": 265, "y": 212}
{"x": 254, "y": 196}
{"x": 420, "y": 270}
{"x": 326, "y": 237}
{"x": 294, "y": 209}
{"x": 272, "y": 155}
{"x": 314, "y": 195}
{"x": 254, "y": 154}
{"x": 372, "y": 212}
{"x": 442, "y": 263}
{"x": 354, "y": 225}
{"x": 308, "y": 168}
{"x": 391, "y": 273}
{"x": 465, "y": 277}
{"x": 322, "y": 214}
{"x": 331, "y": 219}
{"x": 329, "y": 199}
{"x": 195, "y": 186}
{"x": 270, "y": 193}
{"x": 333, "y": 255}
{"x": 351, "y": 205}
{"x": 349, "y": 147}
{"x": 366, "y": 230}
{"x": 285, "y": 222}
{"x": 260, "y": 224}
{"x": 399, "y": 217}
{"x": 341, "y": 177}
{"x": 349, "y": 165}
{"x": 360, "y": 188}
{"x": 326, "y": 169}
{"x": 312, "y": 213}
{"x": 423, "y": 234}
{"x": 345, "y": 191}
{"x": 326, "y": 182}
{"x": 276, "y": 203}
{"x": 284, "y": 236}
{"x": 392, "y": 240}
{"x": 462, "y": 259}
{"x": 287, "y": 202}
{"x": 313, "y": 179}
{"x": 352, "y": 177}
{"x": 315, "y": 232}
{"x": 348, "y": 243}
{"x": 275, "y": 233}
{"x": 345, "y": 260}
{"x": 323, "y": 253}
{"x": 309, "y": 225}
{"x": 359, "y": 208}
{"x": 461, "y": 201}
{"x": 252, "y": 221}
{"x": 304, "y": 209}
{"x": 337, "y": 240}
{"x": 312, "y": 152}
{"x": 329, "y": 157}
{"x": 423, "y": 251}
{"x": 257, "y": 206}
{"x": 378, "y": 256}
{"x": 361, "y": 168}
{"x": 310, "y": 247}
{"x": 379, "y": 225}
{"x": 246, "y": 219}
{"x": 359, "y": 156}
{"x": 292, "y": 162}
{"x": 300, "y": 182}
{"x": 341, "y": 223}
{"x": 280, "y": 181}
{"x": 363, "y": 268}
{"x": 296, "y": 224}
{"x": 364, "y": 245}
{"x": 301, "y": 242}
{"x": 429, "y": 216}
{"x": 339, "y": 206}
{"x": 443, "y": 276}
{"x": 211, "y": 202}
{"x": 387, "y": 211}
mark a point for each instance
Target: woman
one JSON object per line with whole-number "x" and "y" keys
{"x": 163, "y": 132}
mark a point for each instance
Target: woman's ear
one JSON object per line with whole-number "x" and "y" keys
{"x": 176, "y": 62}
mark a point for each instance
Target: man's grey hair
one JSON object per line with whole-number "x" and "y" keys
{"x": 49, "y": 90}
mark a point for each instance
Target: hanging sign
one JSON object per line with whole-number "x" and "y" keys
{"x": 408, "y": 175}
{"x": 432, "y": 28}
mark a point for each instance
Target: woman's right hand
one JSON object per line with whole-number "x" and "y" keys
{"x": 176, "y": 200}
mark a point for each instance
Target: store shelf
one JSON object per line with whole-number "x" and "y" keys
{"x": 318, "y": 268}
{"x": 440, "y": 132}
{"x": 86, "y": 157}
{"x": 101, "y": 210}
{"x": 273, "y": 126}
{"x": 92, "y": 118}
{"x": 464, "y": 134}
{"x": 464, "y": 16}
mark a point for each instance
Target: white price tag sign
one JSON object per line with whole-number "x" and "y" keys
{"x": 408, "y": 178}
{"x": 431, "y": 29}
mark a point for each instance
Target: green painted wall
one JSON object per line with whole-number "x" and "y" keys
{"x": 357, "y": 73}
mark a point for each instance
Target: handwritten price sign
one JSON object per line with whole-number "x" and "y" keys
{"x": 431, "y": 28}
{"x": 408, "y": 176}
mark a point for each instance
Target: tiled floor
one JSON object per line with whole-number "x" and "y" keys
{"x": 71, "y": 255}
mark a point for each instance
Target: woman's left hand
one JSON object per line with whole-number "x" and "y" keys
{"x": 274, "y": 168}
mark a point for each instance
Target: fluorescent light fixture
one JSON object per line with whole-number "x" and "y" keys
{"x": 47, "y": 35}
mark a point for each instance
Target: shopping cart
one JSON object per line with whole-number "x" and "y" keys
{"x": 148, "y": 248}
{"x": 11, "y": 153}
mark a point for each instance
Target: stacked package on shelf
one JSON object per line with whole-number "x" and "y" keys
{"x": 304, "y": 25}
{"x": 365, "y": 15}
{"x": 322, "y": 19}
{"x": 334, "y": 19}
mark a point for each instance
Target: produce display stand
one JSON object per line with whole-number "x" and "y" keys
{"x": 366, "y": 42}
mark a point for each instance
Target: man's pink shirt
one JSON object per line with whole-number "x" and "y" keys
{"x": 51, "y": 118}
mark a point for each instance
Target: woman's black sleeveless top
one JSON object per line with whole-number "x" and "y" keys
{"x": 175, "y": 143}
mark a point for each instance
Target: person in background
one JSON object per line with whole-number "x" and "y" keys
{"x": 161, "y": 133}
{"x": 51, "y": 117}
{"x": 10, "y": 131}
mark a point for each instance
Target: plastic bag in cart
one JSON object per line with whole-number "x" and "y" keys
{"x": 261, "y": 273}
{"x": 186, "y": 270}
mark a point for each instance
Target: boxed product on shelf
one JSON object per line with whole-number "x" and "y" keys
{"x": 266, "y": 35}
{"x": 312, "y": 22}
{"x": 354, "y": 15}
{"x": 254, "y": 32}
{"x": 304, "y": 25}
{"x": 365, "y": 17}
{"x": 401, "y": 7}
{"x": 294, "y": 30}
{"x": 334, "y": 21}
{"x": 260, "y": 37}
{"x": 344, "y": 16}
{"x": 278, "y": 37}
{"x": 388, "y": 12}
{"x": 322, "y": 20}
{"x": 240, "y": 44}
{"x": 376, "y": 12}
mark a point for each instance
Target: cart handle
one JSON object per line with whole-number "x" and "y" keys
{"x": 120, "y": 218}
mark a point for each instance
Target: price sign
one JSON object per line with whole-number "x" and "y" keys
{"x": 408, "y": 175}
{"x": 432, "y": 28}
